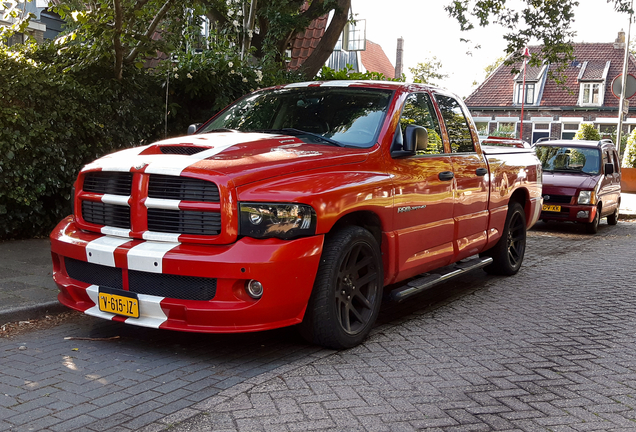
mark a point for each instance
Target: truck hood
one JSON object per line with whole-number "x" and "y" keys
{"x": 240, "y": 157}
{"x": 569, "y": 181}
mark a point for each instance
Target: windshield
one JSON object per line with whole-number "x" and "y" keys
{"x": 342, "y": 116}
{"x": 569, "y": 159}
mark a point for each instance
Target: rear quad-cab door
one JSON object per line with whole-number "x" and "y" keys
{"x": 610, "y": 187}
{"x": 423, "y": 194}
{"x": 471, "y": 182}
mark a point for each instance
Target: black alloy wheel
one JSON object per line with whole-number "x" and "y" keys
{"x": 347, "y": 293}
{"x": 509, "y": 251}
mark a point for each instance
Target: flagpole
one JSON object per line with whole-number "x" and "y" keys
{"x": 526, "y": 53}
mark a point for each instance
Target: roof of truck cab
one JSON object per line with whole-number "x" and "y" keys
{"x": 393, "y": 85}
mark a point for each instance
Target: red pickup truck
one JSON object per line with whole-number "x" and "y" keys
{"x": 296, "y": 205}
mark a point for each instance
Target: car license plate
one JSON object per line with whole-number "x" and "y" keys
{"x": 118, "y": 302}
{"x": 551, "y": 208}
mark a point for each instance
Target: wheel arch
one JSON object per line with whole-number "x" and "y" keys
{"x": 363, "y": 218}
{"x": 522, "y": 197}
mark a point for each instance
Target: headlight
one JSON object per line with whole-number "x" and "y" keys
{"x": 586, "y": 197}
{"x": 284, "y": 221}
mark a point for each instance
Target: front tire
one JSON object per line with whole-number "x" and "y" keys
{"x": 592, "y": 227}
{"x": 509, "y": 251}
{"x": 347, "y": 293}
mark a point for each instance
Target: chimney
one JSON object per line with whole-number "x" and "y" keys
{"x": 619, "y": 43}
{"x": 398, "y": 57}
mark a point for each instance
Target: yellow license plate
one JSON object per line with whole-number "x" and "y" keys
{"x": 551, "y": 208}
{"x": 118, "y": 302}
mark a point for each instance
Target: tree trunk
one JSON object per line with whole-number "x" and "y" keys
{"x": 119, "y": 50}
{"x": 319, "y": 56}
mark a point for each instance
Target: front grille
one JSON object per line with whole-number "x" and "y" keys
{"x": 172, "y": 286}
{"x": 94, "y": 274}
{"x": 184, "y": 221}
{"x": 100, "y": 213}
{"x": 200, "y": 219}
{"x": 156, "y": 284}
{"x": 182, "y": 150}
{"x": 557, "y": 199}
{"x": 105, "y": 182}
{"x": 182, "y": 188}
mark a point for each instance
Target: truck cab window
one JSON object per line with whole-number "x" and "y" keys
{"x": 418, "y": 110}
{"x": 461, "y": 140}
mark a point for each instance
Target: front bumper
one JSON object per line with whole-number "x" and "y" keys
{"x": 571, "y": 213}
{"x": 286, "y": 270}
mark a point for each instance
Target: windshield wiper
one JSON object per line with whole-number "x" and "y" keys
{"x": 298, "y": 132}
{"x": 222, "y": 130}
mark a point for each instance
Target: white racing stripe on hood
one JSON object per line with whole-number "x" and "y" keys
{"x": 113, "y": 162}
{"x": 173, "y": 164}
{"x": 221, "y": 141}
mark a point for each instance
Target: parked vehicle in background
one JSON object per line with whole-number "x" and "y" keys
{"x": 581, "y": 181}
{"x": 296, "y": 205}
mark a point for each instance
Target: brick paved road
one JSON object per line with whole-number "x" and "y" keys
{"x": 552, "y": 348}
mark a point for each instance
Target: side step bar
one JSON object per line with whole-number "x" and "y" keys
{"x": 428, "y": 280}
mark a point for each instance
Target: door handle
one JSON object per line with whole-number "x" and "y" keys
{"x": 481, "y": 171}
{"x": 446, "y": 175}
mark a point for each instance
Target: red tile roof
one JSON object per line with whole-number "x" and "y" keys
{"x": 497, "y": 89}
{"x": 304, "y": 43}
{"x": 375, "y": 60}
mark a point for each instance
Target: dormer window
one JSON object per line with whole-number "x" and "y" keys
{"x": 592, "y": 78}
{"x": 591, "y": 94}
{"x": 534, "y": 83}
{"x": 529, "y": 93}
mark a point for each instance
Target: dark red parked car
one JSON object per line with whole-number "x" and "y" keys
{"x": 581, "y": 181}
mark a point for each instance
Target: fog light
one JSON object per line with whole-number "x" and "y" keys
{"x": 254, "y": 289}
{"x": 583, "y": 214}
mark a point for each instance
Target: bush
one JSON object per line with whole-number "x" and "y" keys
{"x": 587, "y": 132}
{"x": 54, "y": 122}
{"x": 60, "y": 108}
{"x": 629, "y": 158}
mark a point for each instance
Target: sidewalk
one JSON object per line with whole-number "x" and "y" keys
{"x": 27, "y": 290}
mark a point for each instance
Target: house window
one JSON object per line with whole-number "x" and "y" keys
{"x": 607, "y": 131}
{"x": 482, "y": 128}
{"x": 540, "y": 130}
{"x": 569, "y": 130}
{"x": 591, "y": 94}
{"x": 529, "y": 93}
{"x": 506, "y": 129}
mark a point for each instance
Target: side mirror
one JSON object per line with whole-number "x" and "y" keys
{"x": 609, "y": 168}
{"x": 193, "y": 128}
{"x": 416, "y": 138}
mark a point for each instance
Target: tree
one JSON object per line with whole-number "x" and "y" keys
{"x": 587, "y": 132}
{"x": 493, "y": 66}
{"x": 548, "y": 21}
{"x": 126, "y": 30}
{"x": 428, "y": 71}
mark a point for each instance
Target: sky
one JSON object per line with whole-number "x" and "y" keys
{"x": 429, "y": 32}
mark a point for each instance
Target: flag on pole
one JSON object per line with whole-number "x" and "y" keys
{"x": 526, "y": 52}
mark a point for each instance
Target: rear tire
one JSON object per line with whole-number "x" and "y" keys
{"x": 509, "y": 251}
{"x": 347, "y": 293}
{"x": 613, "y": 218}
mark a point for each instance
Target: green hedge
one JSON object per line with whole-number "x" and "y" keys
{"x": 59, "y": 110}
{"x": 52, "y": 122}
